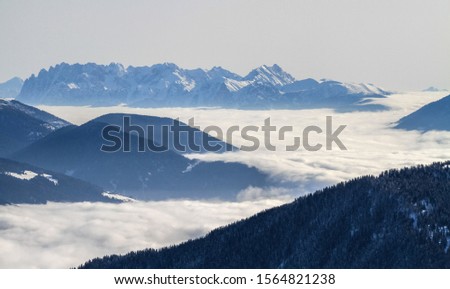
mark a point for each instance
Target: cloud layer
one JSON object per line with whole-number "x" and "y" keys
{"x": 64, "y": 235}
{"x": 59, "y": 235}
{"x": 373, "y": 145}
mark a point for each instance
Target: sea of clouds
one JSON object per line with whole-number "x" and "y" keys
{"x": 59, "y": 235}
{"x": 373, "y": 145}
{"x": 64, "y": 235}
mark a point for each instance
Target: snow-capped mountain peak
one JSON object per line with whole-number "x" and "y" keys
{"x": 273, "y": 75}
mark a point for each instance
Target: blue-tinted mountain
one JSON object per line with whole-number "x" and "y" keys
{"x": 433, "y": 116}
{"x": 273, "y": 75}
{"x": 25, "y": 184}
{"x": 400, "y": 219}
{"x": 433, "y": 89}
{"x": 191, "y": 139}
{"x": 301, "y": 85}
{"x": 21, "y": 125}
{"x": 167, "y": 85}
{"x": 11, "y": 88}
{"x": 75, "y": 151}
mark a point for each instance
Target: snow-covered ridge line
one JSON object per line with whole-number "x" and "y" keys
{"x": 50, "y": 121}
{"x": 168, "y": 85}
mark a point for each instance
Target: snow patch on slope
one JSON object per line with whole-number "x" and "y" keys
{"x": 26, "y": 175}
{"x": 72, "y": 86}
{"x": 235, "y": 85}
{"x": 190, "y": 167}
{"x": 50, "y": 179}
{"x": 189, "y": 84}
{"x": 29, "y": 175}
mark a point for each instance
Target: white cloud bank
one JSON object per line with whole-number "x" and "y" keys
{"x": 59, "y": 235}
{"x": 373, "y": 145}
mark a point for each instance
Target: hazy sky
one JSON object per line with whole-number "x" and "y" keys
{"x": 403, "y": 44}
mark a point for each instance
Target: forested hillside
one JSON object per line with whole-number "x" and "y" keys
{"x": 399, "y": 219}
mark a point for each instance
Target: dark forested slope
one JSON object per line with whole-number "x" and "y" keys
{"x": 399, "y": 219}
{"x": 26, "y": 184}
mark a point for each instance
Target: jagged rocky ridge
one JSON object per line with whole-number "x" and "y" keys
{"x": 167, "y": 85}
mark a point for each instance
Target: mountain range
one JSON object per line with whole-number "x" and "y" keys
{"x": 147, "y": 174}
{"x": 400, "y": 219}
{"x": 53, "y": 146}
{"x": 433, "y": 116}
{"x": 167, "y": 85}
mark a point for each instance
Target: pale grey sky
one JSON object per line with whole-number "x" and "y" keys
{"x": 396, "y": 44}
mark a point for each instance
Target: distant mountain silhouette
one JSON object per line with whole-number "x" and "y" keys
{"x": 11, "y": 88}
{"x": 433, "y": 89}
{"x": 75, "y": 151}
{"x": 433, "y": 116}
{"x": 400, "y": 219}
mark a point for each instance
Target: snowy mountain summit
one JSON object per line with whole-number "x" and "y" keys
{"x": 167, "y": 85}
